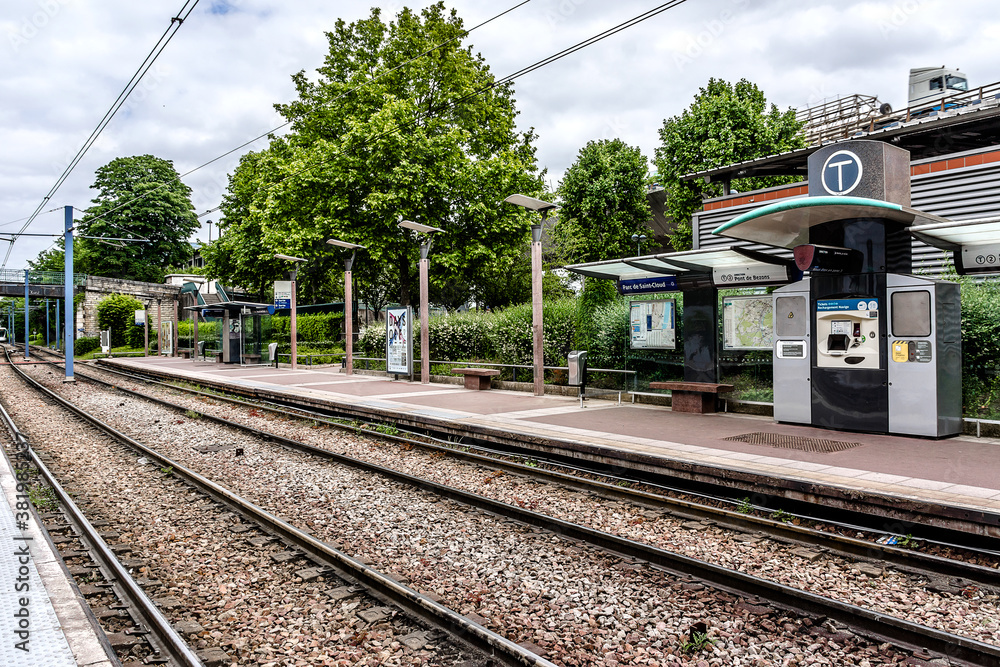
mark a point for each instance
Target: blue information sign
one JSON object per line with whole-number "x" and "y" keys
{"x": 843, "y": 305}
{"x": 648, "y": 285}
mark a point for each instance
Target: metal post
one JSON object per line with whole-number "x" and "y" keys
{"x": 27, "y": 332}
{"x": 58, "y": 326}
{"x": 536, "y": 308}
{"x": 46, "y": 323}
{"x": 294, "y": 332}
{"x": 70, "y": 331}
{"x": 425, "y": 353}
{"x": 159, "y": 328}
{"x": 176, "y": 332}
{"x": 145, "y": 331}
{"x": 194, "y": 343}
{"x": 349, "y": 319}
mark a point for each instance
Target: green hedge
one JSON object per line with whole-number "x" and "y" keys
{"x": 308, "y": 326}
{"x": 86, "y": 344}
{"x": 117, "y": 313}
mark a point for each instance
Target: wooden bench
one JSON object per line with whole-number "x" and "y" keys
{"x": 476, "y": 378}
{"x": 215, "y": 353}
{"x": 251, "y": 358}
{"x": 697, "y": 397}
{"x": 185, "y": 352}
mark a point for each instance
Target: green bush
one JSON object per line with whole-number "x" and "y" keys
{"x": 460, "y": 336}
{"x": 117, "y": 313}
{"x": 371, "y": 340}
{"x": 980, "y": 334}
{"x": 86, "y": 345}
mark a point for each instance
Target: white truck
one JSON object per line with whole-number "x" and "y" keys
{"x": 928, "y": 85}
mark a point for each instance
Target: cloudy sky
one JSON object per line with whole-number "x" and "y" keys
{"x": 63, "y": 62}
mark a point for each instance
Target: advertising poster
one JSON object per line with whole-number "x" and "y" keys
{"x": 653, "y": 325}
{"x": 399, "y": 341}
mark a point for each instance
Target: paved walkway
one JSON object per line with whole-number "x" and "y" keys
{"x": 962, "y": 471}
{"x": 42, "y": 617}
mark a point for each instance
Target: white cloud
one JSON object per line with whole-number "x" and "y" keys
{"x": 62, "y": 62}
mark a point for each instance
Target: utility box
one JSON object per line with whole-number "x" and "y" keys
{"x": 577, "y": 362}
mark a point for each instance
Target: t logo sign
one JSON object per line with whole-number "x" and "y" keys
{"x": 841, "y": 173}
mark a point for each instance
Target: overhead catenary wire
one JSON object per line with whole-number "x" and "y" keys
{"x": 344, "y": 94}
{"x": 644, "y": 16}
{"x": 175, "y": 23}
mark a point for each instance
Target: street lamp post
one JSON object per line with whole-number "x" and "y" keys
{"x": 542, "y": 207}
{"x": 638, "y": 240}
{"x": 425, "y": 337}
{"x": 348, "y": 303}
{"x": 293, "y": 274}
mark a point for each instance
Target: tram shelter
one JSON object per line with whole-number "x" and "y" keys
{"x": 243, "y": 327}
{"x": 859, "y": 343}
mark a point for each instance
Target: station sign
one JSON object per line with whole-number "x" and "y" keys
{"x": 282, "y": 293}
{"x": 648, "y": 285}
{"x": 760, "y": 274}
{"x": 841, "y": 173}
{"x": 984, "y": 258}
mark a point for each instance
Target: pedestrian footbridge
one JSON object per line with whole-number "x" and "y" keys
{"x": 44, "y": 284}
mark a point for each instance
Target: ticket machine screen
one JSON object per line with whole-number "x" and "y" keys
{"x": 847, "y": 333}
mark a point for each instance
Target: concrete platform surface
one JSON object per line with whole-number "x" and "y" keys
{"x": 962, "y": 471}
{"x": 43, "y": 621}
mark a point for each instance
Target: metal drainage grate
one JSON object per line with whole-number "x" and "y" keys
{"x": 794, "y": 442}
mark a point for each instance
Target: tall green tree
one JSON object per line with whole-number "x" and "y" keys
{"x": 140, "y": 198}
{"x": 403, "y": 122}
{"x": 725, "y": 124}
{"x": 603, "y": 202}
{"x": 52, "y": 259}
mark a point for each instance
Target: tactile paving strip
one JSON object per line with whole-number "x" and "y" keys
{"x": 47, "y": 646}
{"x": 820, "y": 445}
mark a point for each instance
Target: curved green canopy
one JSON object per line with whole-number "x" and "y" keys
{"x": 785, "y": 224}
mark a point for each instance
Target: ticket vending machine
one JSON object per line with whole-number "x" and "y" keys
{"x": 888, "y": 364}
{"x": 860, "y": 344}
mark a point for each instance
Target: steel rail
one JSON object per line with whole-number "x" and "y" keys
{"x": 165, "y": 640}
{"x": 419, "y": 606}
{"x": 712, "y": 482}
{"x": 864, "y": 622}
{"x": 905, "y": 559}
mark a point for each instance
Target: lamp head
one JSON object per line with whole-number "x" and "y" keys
{"x": 417, "y": 227}
{"x": 345, "y": 244}
{"x": 530, "y": 203}
{"x": 288, "y": 257}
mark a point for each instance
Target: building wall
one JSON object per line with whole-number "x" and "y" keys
{"x": 148, "y": 293}
{"x": 962, "y": 186}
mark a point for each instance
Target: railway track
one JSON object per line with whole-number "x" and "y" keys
{"x": 377, "y": 620}
{"x": 871, "y": 623}
{"x": 978, "y": 566}
{"x": 134, "y": 627}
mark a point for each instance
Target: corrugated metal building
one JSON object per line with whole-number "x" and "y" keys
{"x": 955, "y": 173}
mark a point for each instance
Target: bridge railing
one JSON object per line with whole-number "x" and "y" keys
{"x": 40, "y": 277}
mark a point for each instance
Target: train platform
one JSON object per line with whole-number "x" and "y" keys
{"x": 44, "y": 621}
{"x": 957, "y": 478}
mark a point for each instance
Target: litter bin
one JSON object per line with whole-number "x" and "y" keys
{"x": 201, "y": 350}
{"x": 577, "y": 362}
{"x": 272, "y": 353}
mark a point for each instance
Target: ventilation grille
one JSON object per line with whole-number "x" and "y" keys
{"x": 794, "y": 442}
